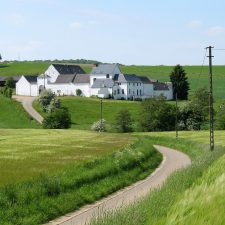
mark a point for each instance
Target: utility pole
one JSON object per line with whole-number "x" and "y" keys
{"x": 211, "y": 111}
{"x": 101, "y": 116}
{"x": 176, "y": 117}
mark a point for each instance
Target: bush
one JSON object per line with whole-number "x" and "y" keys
{"x": 99, "y": 126}
{"x": 6, "y": 91}
{"x": 157, "y": 115}
{"x": 123, "y": 121}
{"x": 54, "y": 104}
{"x": 78, "y": 92}
{"x": 10, "y": 83}
{"x": 220, "y": 119}
{"x": 45, "y": 99}
{"x": 58, "y": 119}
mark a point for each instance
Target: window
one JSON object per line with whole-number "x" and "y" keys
{"x": 140, "y": 92}
{"x": 137, "y": 84}
{"x": 129, "y": 91}
{"x": 123, "y": 91}
{"x": 137, "y": 92}
{"x": 94, "y": 79}
{"x": 133, "y": 84}
{"x": 107, "y": 75}
{"x": 114, "y": 92}
{"x": 118, "y": 91}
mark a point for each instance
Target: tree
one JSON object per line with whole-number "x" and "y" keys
{"x": 58, "y": 119}
{"x": 200, "y": 100}
{"x": 10, "y": 83}
{"x": 157, "y": 115}
{"x": 220, "y": 118}
{"x": 0, "y": 57}
{"x": 195, "y": 113}
{"x": 123, "y": 121}
{"x": 180, "y": 83}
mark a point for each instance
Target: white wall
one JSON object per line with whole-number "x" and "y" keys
{"x": 62, "y": 89}
{"x": 23, "y": 87}
{"x": 53, "y": 73}
{"x": 85, "y": 88}
{"x": 97, "y": 76}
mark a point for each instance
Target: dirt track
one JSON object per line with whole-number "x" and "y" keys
{"x": 173, "y": 160}
{"x": 27, "y": 105}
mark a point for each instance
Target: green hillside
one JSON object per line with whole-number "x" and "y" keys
{"x": 197, "y": 75}
{"x": 86, "y": 111}
{"x": 12, "y": 115}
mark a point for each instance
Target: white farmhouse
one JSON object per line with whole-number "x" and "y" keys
{"x": 104, "y": 81}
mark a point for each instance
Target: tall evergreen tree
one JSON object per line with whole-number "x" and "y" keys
{"x": 180, "y": 83}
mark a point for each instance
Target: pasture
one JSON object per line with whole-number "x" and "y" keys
{"x": 25, "y": 153}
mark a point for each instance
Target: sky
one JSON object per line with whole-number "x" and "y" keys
{"x": 140, "y": 32}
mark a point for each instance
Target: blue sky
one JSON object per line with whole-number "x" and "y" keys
{"x": 143, "y": 32}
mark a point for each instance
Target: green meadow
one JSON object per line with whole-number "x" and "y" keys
{"x": 86, "y": 111}
{"x": 25, "y": 153}
{"x": 12, "y": 115}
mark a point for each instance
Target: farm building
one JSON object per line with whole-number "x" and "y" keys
{"x": 104, "y": 81}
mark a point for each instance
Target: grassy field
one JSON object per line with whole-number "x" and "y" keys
{"x": 12, "y": 115}
{"x": 83, "y": 179}
{"x": 198, "y": 77}
{"x": 26, "y": 153}
{"x": 86, "y": 111}
{"x": 184, "y": 198}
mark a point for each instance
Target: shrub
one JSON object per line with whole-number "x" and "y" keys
{"x": 54, "y": 104}
{"x": 123, "y": 121}
{"x": 10, "y": 83}
{"x": 220, "y": 119}
{"x": 6, "y": 91}
{"x": 45, "y": 99}
{"x": 78, "y": 92}
{"x": 99, "y": 126}
{"x": 157, "y": 115}
{"x": 58, "y": 119}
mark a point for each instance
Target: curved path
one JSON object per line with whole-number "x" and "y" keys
{"x": 27, "y": 105}
{"x": 172, "y": 160}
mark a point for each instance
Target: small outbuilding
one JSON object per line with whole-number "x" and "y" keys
{"x": 27, "y": 86}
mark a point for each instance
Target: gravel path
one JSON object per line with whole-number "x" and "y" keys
{"x": 173, "y": 160}
{"x": 27, "y": 105}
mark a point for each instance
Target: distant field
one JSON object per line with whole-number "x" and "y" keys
{"x": 86, "y": 111}
{"x": 26, "y": 153}
{"x": 12, "y": 115}
{"x": 198, "y": 77}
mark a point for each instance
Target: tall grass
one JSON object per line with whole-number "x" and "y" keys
{"x": 204, "y": 203}
{"x": 49, "y": 196}
{"x": 153, "y": 209}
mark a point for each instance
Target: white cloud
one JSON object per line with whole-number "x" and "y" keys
{"x": 216, "y": 31}
{"x": 75, "y": 25}
{"x": 15, "y": 19}
{"x": 195, "y": 24}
